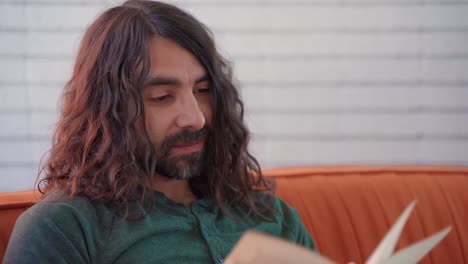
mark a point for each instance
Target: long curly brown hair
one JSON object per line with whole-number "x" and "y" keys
{"x": 101, "y": 148}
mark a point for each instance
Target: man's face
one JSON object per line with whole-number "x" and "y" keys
{"x": 178, "y": 110}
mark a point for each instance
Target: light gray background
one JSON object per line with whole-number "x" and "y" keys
{"x": 324, "y": 81}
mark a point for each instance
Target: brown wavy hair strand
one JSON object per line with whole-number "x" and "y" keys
{"x": 101, "y": 148}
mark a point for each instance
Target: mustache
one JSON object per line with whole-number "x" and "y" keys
{"x": 185, "y": 136}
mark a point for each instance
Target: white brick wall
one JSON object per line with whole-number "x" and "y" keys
{"x": 324, "y": 82}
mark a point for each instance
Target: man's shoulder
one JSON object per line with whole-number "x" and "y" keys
{"x": 283, "y": 211}
{"x": 57, "y": 208}
{"x": 289, "y": 217}
{"x": 275, "y": 202}
{"x": 58, "y": 221}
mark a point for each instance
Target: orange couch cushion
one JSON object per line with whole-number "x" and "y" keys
{"x": 348, "y": 210}
{"x": 11, "y": 206}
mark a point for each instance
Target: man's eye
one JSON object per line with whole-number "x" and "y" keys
{"x": 160, "y": 99}
{"x": 203, "y": 90}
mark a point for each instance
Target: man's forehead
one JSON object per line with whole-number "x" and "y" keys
{"x": 168, "y": 59}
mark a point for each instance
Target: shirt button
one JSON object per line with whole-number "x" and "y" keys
{"x": 220, "y": 259}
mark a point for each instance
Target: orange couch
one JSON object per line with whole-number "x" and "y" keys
{"x": 349, "y": 209}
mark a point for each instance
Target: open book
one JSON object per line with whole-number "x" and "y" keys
{"x": 254, "y": 247}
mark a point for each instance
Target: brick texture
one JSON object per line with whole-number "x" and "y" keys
{"x": 324, "y": 82}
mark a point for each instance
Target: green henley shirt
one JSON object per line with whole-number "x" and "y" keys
{"x": 77, "y": 230}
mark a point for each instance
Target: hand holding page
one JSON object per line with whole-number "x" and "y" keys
{"x": 258, "y": 248}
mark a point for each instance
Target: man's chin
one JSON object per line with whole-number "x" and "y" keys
{"x": 185, "y": 160}
{"x": 181, "y": 167}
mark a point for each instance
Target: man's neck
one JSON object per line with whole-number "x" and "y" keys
{"x": 176, "y": 190}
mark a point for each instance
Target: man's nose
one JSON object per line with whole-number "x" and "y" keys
{"x": 190, "y": 115}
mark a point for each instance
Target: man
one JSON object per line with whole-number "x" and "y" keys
{"x": 149, "y": 162}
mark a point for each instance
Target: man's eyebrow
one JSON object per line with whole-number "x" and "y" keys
{"x": 164, "y": 80}
{"x": 161, "y": 80}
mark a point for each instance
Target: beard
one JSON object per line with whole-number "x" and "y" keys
{"x": 184, "y": 166}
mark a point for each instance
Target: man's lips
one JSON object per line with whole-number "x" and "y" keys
{"x": 189, "y": 147}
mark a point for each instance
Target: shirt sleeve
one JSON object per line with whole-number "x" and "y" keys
{"x": 293, "y": 222}
{"x": 303, "y": 236}
{"x": 47, "y": 233}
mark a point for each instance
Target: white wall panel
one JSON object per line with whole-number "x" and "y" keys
{"x": 44, "y": 17}
{"x": 290, "y": 97}
{"x": 324, "y": 82}
{"x": 309, "y": 126}
{"x": 12, "y": 16}
{"x": 290, "y": 152}
{"x": 56, "y": 44}
{"x": 13, "y": 124}
{"x": 19, "y": 178}
{"x": 13, "y": 97}
{"x": 13, "y": 43}
{"x": 45, "y": 97}
{"x": 12, "y": 70}
{"x": 43, "y": 70}
{"x": 22, "y": 151}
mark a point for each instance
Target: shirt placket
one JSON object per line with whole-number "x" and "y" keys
{"x": 205, "y": 224}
